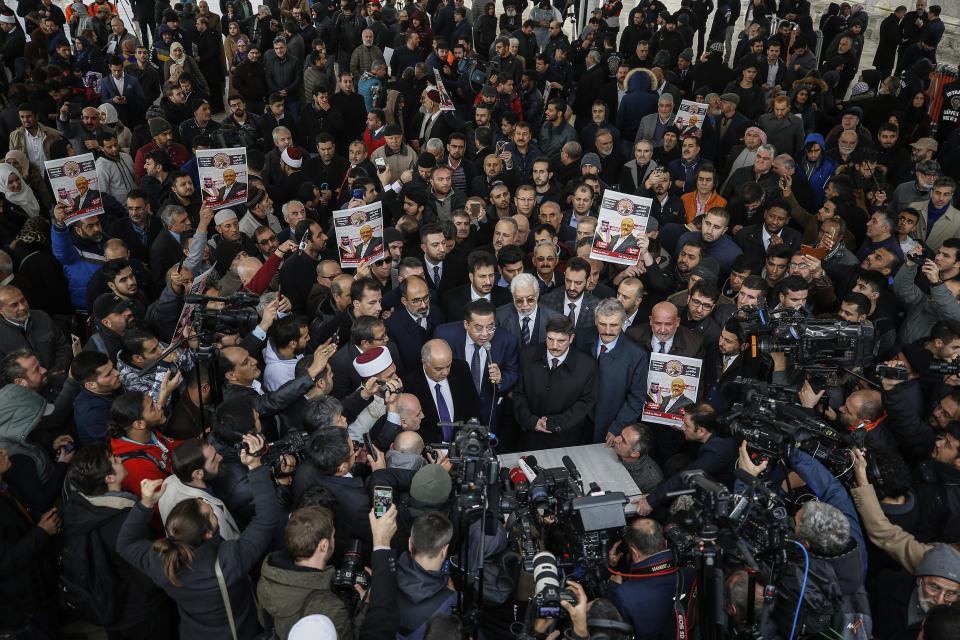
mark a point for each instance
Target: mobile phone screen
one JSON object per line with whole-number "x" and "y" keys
{"x": 382, "y": 499}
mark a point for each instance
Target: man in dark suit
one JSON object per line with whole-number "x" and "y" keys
{"x": 86, "y": 197}
{"x": 589, "y": 86}
{"x": 231, "y": 188}
{"x": 494, "y": 372}
{"x": 630, "y": 295}
{"x": 444, "y": 388}
{"x": 572, "y": 300}
{"x": 166, "y": 250}
{"x": 443, "y": 273}
{"x": 412, "y": 324}
{"x": 368, "y": 244}
{"x": 664, "y": 334}
{"x": 755, "y": 239}
{"x": 482, "y": 273}
{"x": 677, "y": 399}
{"x": 524, "y": 318}
{"x": 621, "y": 372}
{"x": 625, "y": 239}
{"x": 330, "y": 458}
{"x": 715, "y": 456}
{"x": 556, "y": 390}
{"x": 138, "y": 221}
{"x": 367, "y": 332}
{"x": 725, "y": 363}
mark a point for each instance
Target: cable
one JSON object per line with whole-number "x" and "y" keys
{"x": 803, "y": 587}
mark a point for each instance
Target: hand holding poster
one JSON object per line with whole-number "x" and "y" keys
{"x": 196, "y": 288}
{"x": 620, "y": 228}
{"x": 446, "y": 103}
{"x": 76, "y": 186}
{"x": 223, "y": 176}
{"x": 690, "y": 117}
{"x": 672, "y": 384}
{"x": 359, "y": 234}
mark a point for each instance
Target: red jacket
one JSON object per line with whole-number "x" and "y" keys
{"x": 371, "y": 142}
{"x": 145, "y": 468}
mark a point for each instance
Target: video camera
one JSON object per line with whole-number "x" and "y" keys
{"x": 293, "y": 443}
{"x": 767, "y": 419}
{"x": 815, "y": 344}
{"x": 227, "y": 320}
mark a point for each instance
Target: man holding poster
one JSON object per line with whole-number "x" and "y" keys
{"x": 75, "y": 182}
{"x": 223, "y": 175}
{"x": 620, "y": 223}
{"x": 681, "y": 376}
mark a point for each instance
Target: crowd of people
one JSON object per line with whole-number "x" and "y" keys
{"x": 138, "y": 491}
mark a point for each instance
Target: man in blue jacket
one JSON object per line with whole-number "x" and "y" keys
{"x": 79, "y": 250}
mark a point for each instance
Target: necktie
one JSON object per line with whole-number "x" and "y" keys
{"x": 475, "y": 367}
{"x": 436, "y": 275}
{"x": 726, "y": 363}
{"x": 444, "y": 413}
{"x": 572, "y": 314}
{"x": 603, "y": 350}
{"x": 525, "y": 331}
{"x": 663, "y": 347}
{"x": 556, "y": 362}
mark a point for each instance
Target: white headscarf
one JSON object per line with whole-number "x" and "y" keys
{"x": 313, "y": 627}
{"x": 23, "y": 198}
{"x": 177, "y": 52}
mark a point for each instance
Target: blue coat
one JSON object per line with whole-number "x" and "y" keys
{"x": 819, "y": 178}
{"x": 92, "y": 413}
{"x": 503, "y": 351}
{"x": 132, "y": 90}
{"x": 76, "y": 266}
{"x": 637, "y": 102}
{"x": 647, "y": 602}
{"x": 621, "y": 384}
{"x": 408, "y": 336}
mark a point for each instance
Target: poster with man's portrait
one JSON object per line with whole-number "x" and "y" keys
{"x": 672, "y": 385}
{"x": 223, "y": 176}
{"x": 359, "y": 234}
{"x": 621, "y": 222}
{"x": 76, "y": 186}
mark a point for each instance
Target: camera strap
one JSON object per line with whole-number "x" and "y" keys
{"x": 664, "y": 568}
{"x": 679, "y": 612}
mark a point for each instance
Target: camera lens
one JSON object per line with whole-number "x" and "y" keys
{"x": 545, "y": 572}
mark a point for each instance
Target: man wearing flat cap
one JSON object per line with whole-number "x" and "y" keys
{"x": 730, "y": 125}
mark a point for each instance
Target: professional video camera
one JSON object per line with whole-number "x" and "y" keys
{"x": 818, "y": 345}
{"x": 475, "y": 468}
{"x": 942, "y": 368}
{"x": 226, "y": 320}
{"x": 291, "y": 444}
{"x": 767, "y": 419}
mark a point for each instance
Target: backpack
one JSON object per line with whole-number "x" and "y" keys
{"x": 88, "y": 582}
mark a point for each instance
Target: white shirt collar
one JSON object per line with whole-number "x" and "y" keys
{"x": 655, "y": 343}
{"x": 560, "y": 359}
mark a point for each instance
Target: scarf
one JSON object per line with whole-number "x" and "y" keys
{"x": 23, "y": 198}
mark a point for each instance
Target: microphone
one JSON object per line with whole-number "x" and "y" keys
{"x": 571, "y": 468}
{"x": 528, "y": 468}
{"x": 518, "y": 477}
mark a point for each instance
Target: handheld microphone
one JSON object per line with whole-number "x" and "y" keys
{"x": 527, "y": 468}
{"x": 571, "y": 468}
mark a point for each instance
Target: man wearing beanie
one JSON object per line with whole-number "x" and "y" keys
{"x": 162, "y": 133}
{"x": 902, "y": 600}
{"x": 200, "y": 125}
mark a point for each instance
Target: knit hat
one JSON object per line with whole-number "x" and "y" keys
{"x": 760, "y": 132}
{"x": 926, "y": 144}
{"x": 426, "y": 160}
{"x": 392, "y": 234}
{"x": 590, "y": 158}
{"x": 941, "y": 561}
{"x": 109, "y": 303}
{"x": 431, "y": 485}
{"x": 858, "y": 89}
{"x": 109, "y": 112}
{"x": 158, "y": 126}
{"x": 392, "y": 130}
{"x": 255, "y": 196}
{"x": 488, "y": 91}
{"x": 687, "y": 54}
{"x": 196, "y": 103}
{"x": 706, "y": 269}
{"x": 225, "y": 215}
{"x": 433, "y": 95}
{"x": 731, "y": 97}
{"x": 854, "y": 111}
{"x": 372, "y": 361}
{"x": 670, "y": 19}
{"x": 292, "y": 157}
{"x": 313, "y": 627}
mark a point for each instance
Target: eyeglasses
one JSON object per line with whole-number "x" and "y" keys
{"x": 268, "y": 240}
{"x": 701, "y": 304}
{"x": 934, "y": 590}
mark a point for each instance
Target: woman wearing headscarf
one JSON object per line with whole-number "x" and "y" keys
{"x": 32, "y": 175}
{"x": 421, "y": 24}
{"x": 88, "y": 57}
{"x": 179, "y": 57}
{"x": 915, "y": 122}
{"x": 109, "y": 117}
{"x": 18, "y": 194}
{"x": 34, "y": 260}
{"x": 230, "y": 44}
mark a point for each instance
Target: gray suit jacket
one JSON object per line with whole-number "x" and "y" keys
{"x": 509, "y": 320}
{"x": 648, "y": 127}
{"x": 585, "y": 320}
